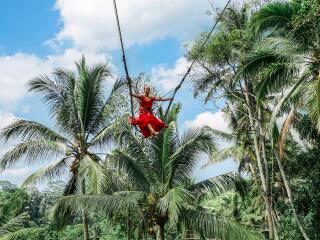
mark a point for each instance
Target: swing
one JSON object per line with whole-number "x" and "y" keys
{"x": 148, "y": 123}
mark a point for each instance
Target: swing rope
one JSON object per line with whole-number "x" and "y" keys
{"x": 176, "y": 89}
{"x": 124, "y": 60}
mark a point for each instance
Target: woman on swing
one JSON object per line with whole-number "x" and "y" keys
{"x": 149, "y": 124}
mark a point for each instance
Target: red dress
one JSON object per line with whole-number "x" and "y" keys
{"x": 146, "y": 117}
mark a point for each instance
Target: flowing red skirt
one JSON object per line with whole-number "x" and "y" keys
{"x": 146, "y": 118}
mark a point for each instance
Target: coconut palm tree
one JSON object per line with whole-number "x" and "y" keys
{"x": 219, "y": 78}
{"x": 288, "y": 55}
{"x": 287, "y": 59}
{"x": 161, "y": 193}
{"x": 81, "y": 116}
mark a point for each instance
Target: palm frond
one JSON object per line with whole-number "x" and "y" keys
{"x": 219, "y": 184}
{"x": 58, "y": 169}
{"x": 275, "y": 15}
{"x": 32, "y": 152}
{"x": 220, "y": 134}
{"x": 135, "y": 171}
{"x": 234, "y": 152}
{"x": 312, "y": 100}
{"x": 173, "y": 201}
{"x": 108, "y": 108}
{"x": 283, "y": 100}
{"x": 108, "y": 204}
{"x": 276, "y": 76}
{"x": 59, "y": 94}
{"x": 194, "y": 143}
{"x": 72, "y": 186}
{"x": 161, "y": 149}
{"x": 133, "y": 195}
{"x": 172, "y": 114}
{"x": 27, "y": 130}
{"x": 90, "y": 174}
{"x": 106, "y": 134}
{"x": 90, "y": 91}
{"x": 263, "y": 58}
{"x": 209, "y": 225}
{"x": 284, "y": 131}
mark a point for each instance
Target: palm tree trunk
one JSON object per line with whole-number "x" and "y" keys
{"x": 161, "y": 225}
{"x": 268, "y": 193}
{"x": 253, "y": 172}
{"x": 274, "y": 222}
{"x": 129, "y": 226}
{"x": 289, "y": 193}
{"x": 261, "y": 167}
{"x": 85, "y": 224}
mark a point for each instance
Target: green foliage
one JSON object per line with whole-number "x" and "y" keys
{"x": 159, "y": 193}
{"x": 263, "y": 60}
{"x": 24, "y": 216}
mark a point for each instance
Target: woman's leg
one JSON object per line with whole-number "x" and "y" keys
{"x": 153, "y": 132}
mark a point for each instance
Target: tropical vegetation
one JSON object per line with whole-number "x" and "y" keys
{"x": 260, "y": 68}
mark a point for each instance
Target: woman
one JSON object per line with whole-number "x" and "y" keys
{"x": 147, "y": 122}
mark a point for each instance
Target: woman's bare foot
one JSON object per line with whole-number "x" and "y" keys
{"x": 154, "y": 133}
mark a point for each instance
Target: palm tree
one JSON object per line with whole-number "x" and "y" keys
{"x": 220, "y": 78}
{"x": 161, "y": 193}
{"x": 81, "y": 115}
{"x": 287, "y": 58}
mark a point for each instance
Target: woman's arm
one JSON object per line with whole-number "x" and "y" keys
{"x": 163, "y": 99}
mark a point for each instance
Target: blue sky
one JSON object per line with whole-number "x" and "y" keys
{"x": 38, "y": 36}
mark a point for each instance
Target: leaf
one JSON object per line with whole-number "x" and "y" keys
{"x": 218, "y": 185}
{"x": 32, "y": 152}
{"x": 58, "y": 169}
{"x": 28, "y": 130}
{"x": 90, "y": 174}
{"x": 172, "y": 203}
{"x": 282, "y": 101}
{"x": 233, "y": 152}
{"x": 209, "y": 225}
{"x": 284, "y": 130}
{"x": 276, "y": 15}
{"x": 105, "y": 203}
{"x": 135, "y": 172}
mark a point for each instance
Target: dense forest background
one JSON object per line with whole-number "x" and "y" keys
{"x": 260, "y": 67}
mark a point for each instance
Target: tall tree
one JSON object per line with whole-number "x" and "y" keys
{"x": 81, "y": 115}
{"x": 161, "y": 193}
{"x": 219, "y": 77}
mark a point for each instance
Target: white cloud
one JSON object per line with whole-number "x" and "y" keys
{"x": 15, "y": 172}
{"x": 5, "y": 119}
{"x": 16, "y": 175}
{"x": 90, "y": 24}
{"x": 18, "y": 69}
{"x": 214, "y": 120}
{"x": 168, "y": 78}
